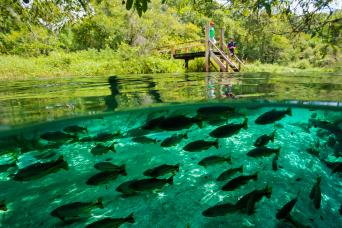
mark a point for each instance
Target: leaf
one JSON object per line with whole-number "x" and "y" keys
{"x": 144, "y": 5}
{"x": 129, "y": 4}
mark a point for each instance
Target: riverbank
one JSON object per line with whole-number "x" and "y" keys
{"x": 107, "y": 62}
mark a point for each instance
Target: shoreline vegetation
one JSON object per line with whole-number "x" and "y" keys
{"x": 114, "y": 40}
{"x": 107, "y": 62}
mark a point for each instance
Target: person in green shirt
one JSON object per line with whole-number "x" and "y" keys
{"x": 212, "y": 32}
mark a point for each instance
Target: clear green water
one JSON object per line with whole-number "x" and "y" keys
{"x": 32, "y": 109}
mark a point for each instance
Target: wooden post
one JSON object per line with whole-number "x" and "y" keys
{"x": 222, "y": 39}
{"x": 207, "y": 56}
{"x": 186, "y": 64}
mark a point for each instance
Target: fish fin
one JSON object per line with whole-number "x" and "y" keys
{"x": 65, "y": 165}
{"x": 123, "y": 170}
{"x": 216, "y": 143}
{"x": 112, "y": 147}
{"x": 289, "y": 111}
{"x": 130, "y": 218}
{"x": 241, "y": 168}
{"x": 99, "y": 203}
{"x": 186, "y": 135}
{"x": 278, "y": 151}
{"x": 272, "y": 135}
{"x": 245, "y": 123}
{"x": 170, "y": 180}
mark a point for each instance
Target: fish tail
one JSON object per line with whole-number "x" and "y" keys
{"x": 255, "y": 176}
{"x": 289, "y": 111}
{"x": 170, "y": 180}
{"x": 123, "y": 170}
{"x": 241, "y": 168}
{"x": 63, "y": 163}
{"x": 112, "y": 147}
{"x": 216, "y": 144}
{"x": 229, "y": 159}
{"x": 130, "y": 218}
{"x": 277, "y": 151}
{"x": 245, "y": 124}
{"x": 99, "y": 203}
{"x": 186, "y": 135}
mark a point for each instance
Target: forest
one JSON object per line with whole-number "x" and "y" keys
{"x": 103, "y": 37}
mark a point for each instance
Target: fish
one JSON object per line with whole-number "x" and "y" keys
{"x": 5, "y": 167}
{"x": 144, "y": 140}
{"x": 239, "y": 181}
{"x": 215, "y": 110}
{"x": 246, "y": 203}
{"x": 313, "y": 151}
{"x": 150, "y": 184}
{"x": 264, "y": 139}
{"x": 274, "y": 163}
{"x": 336, "y": 167}
{"x": 262, "y": 151}
{"x": 153, "y": 124}
{"x": 272, "y": 116}
{"x": 125, "y": 189}
{"x": 77, "y": 210}
{"x": 228, "y": 173}
{"x": 39, "y": 170}
{"x": 107, "y": 167}
{"x": 162, "y": 170}
{"x": 104, "y": 137}
{"x": 57, "y": 136}
{"x": 315, "y": 193}
{"x": 3, "y": 206}
{"x": 100, "y": 149}
{"x": 220, "y": 210}
{"x": 212, "y": 160}
{"x": 105, "y": 177}
{"x": 228, "y": 130}
{"x": 180, "y": 122}
{"x": 111, "y": 222}
{"x": 340, "y": 210}
{"x": 200, "y": 145}
{"x": 174, "y": 139}
{"x": 328, "y": 126}
{"x": 75, "y": 129}
{"x": 286, "y": 209}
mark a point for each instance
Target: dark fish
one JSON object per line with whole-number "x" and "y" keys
{"x": 313, "y": 151}
{"x": 77, "y": 210}
{"x": 264, "y": 139}
{"x": 212, "y": 160}
{"x": 144, "y": 140}
{"x": 104, "y": 137}
{"x": 215, "y": 111}
{"x": 100, "y": 149}
{"x": 39, "y": 170}
{"x": 174, "y": 139}
{"x": 272, "y": 116}
{"x": 75, "y": 129}
{"x": 200, "y": 145}
{"x": 5, "y": 167}
{"x": 326, "y": 125}
{"x": 107, "y": 167}
{"x": 176, "y": 123}
{"x": 274, "y": 163}
{"x": 153, "y": 123}
{"x": 239, "y": 181}
{"x": 315, "y": 193}
{"x": 336, "y": 167}
{"x": 56, "y": 136}
{"x": 3, "y": 206}
{"x": 340, "y": 210}
{"x": 246, "y": 203}
{"x": 262, "y": 151}
{"x": 111, "y": 222}
{"x": 125, "y": 189}
{"x": 286, "y": 209}
{"x": 228, "y": 130}
{"x": 105, "y": 177}
{"x": 228, "y": 173}
{"x": 220, "y": 210}
{"x": 162, "y": 170}
{"x": 150, "y": 184}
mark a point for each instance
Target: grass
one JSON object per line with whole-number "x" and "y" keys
{"x": 108, "y": 62}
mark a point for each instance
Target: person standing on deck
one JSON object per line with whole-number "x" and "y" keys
{"x": 231, "y": 47}
{"x": 212, "y": 32}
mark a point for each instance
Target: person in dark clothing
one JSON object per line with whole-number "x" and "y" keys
{"x": 231, "y": 46}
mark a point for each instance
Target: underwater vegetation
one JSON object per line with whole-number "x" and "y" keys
{"x": 177, "y": 167}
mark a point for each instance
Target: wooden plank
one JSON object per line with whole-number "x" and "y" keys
{"x": 218, "y": 61}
